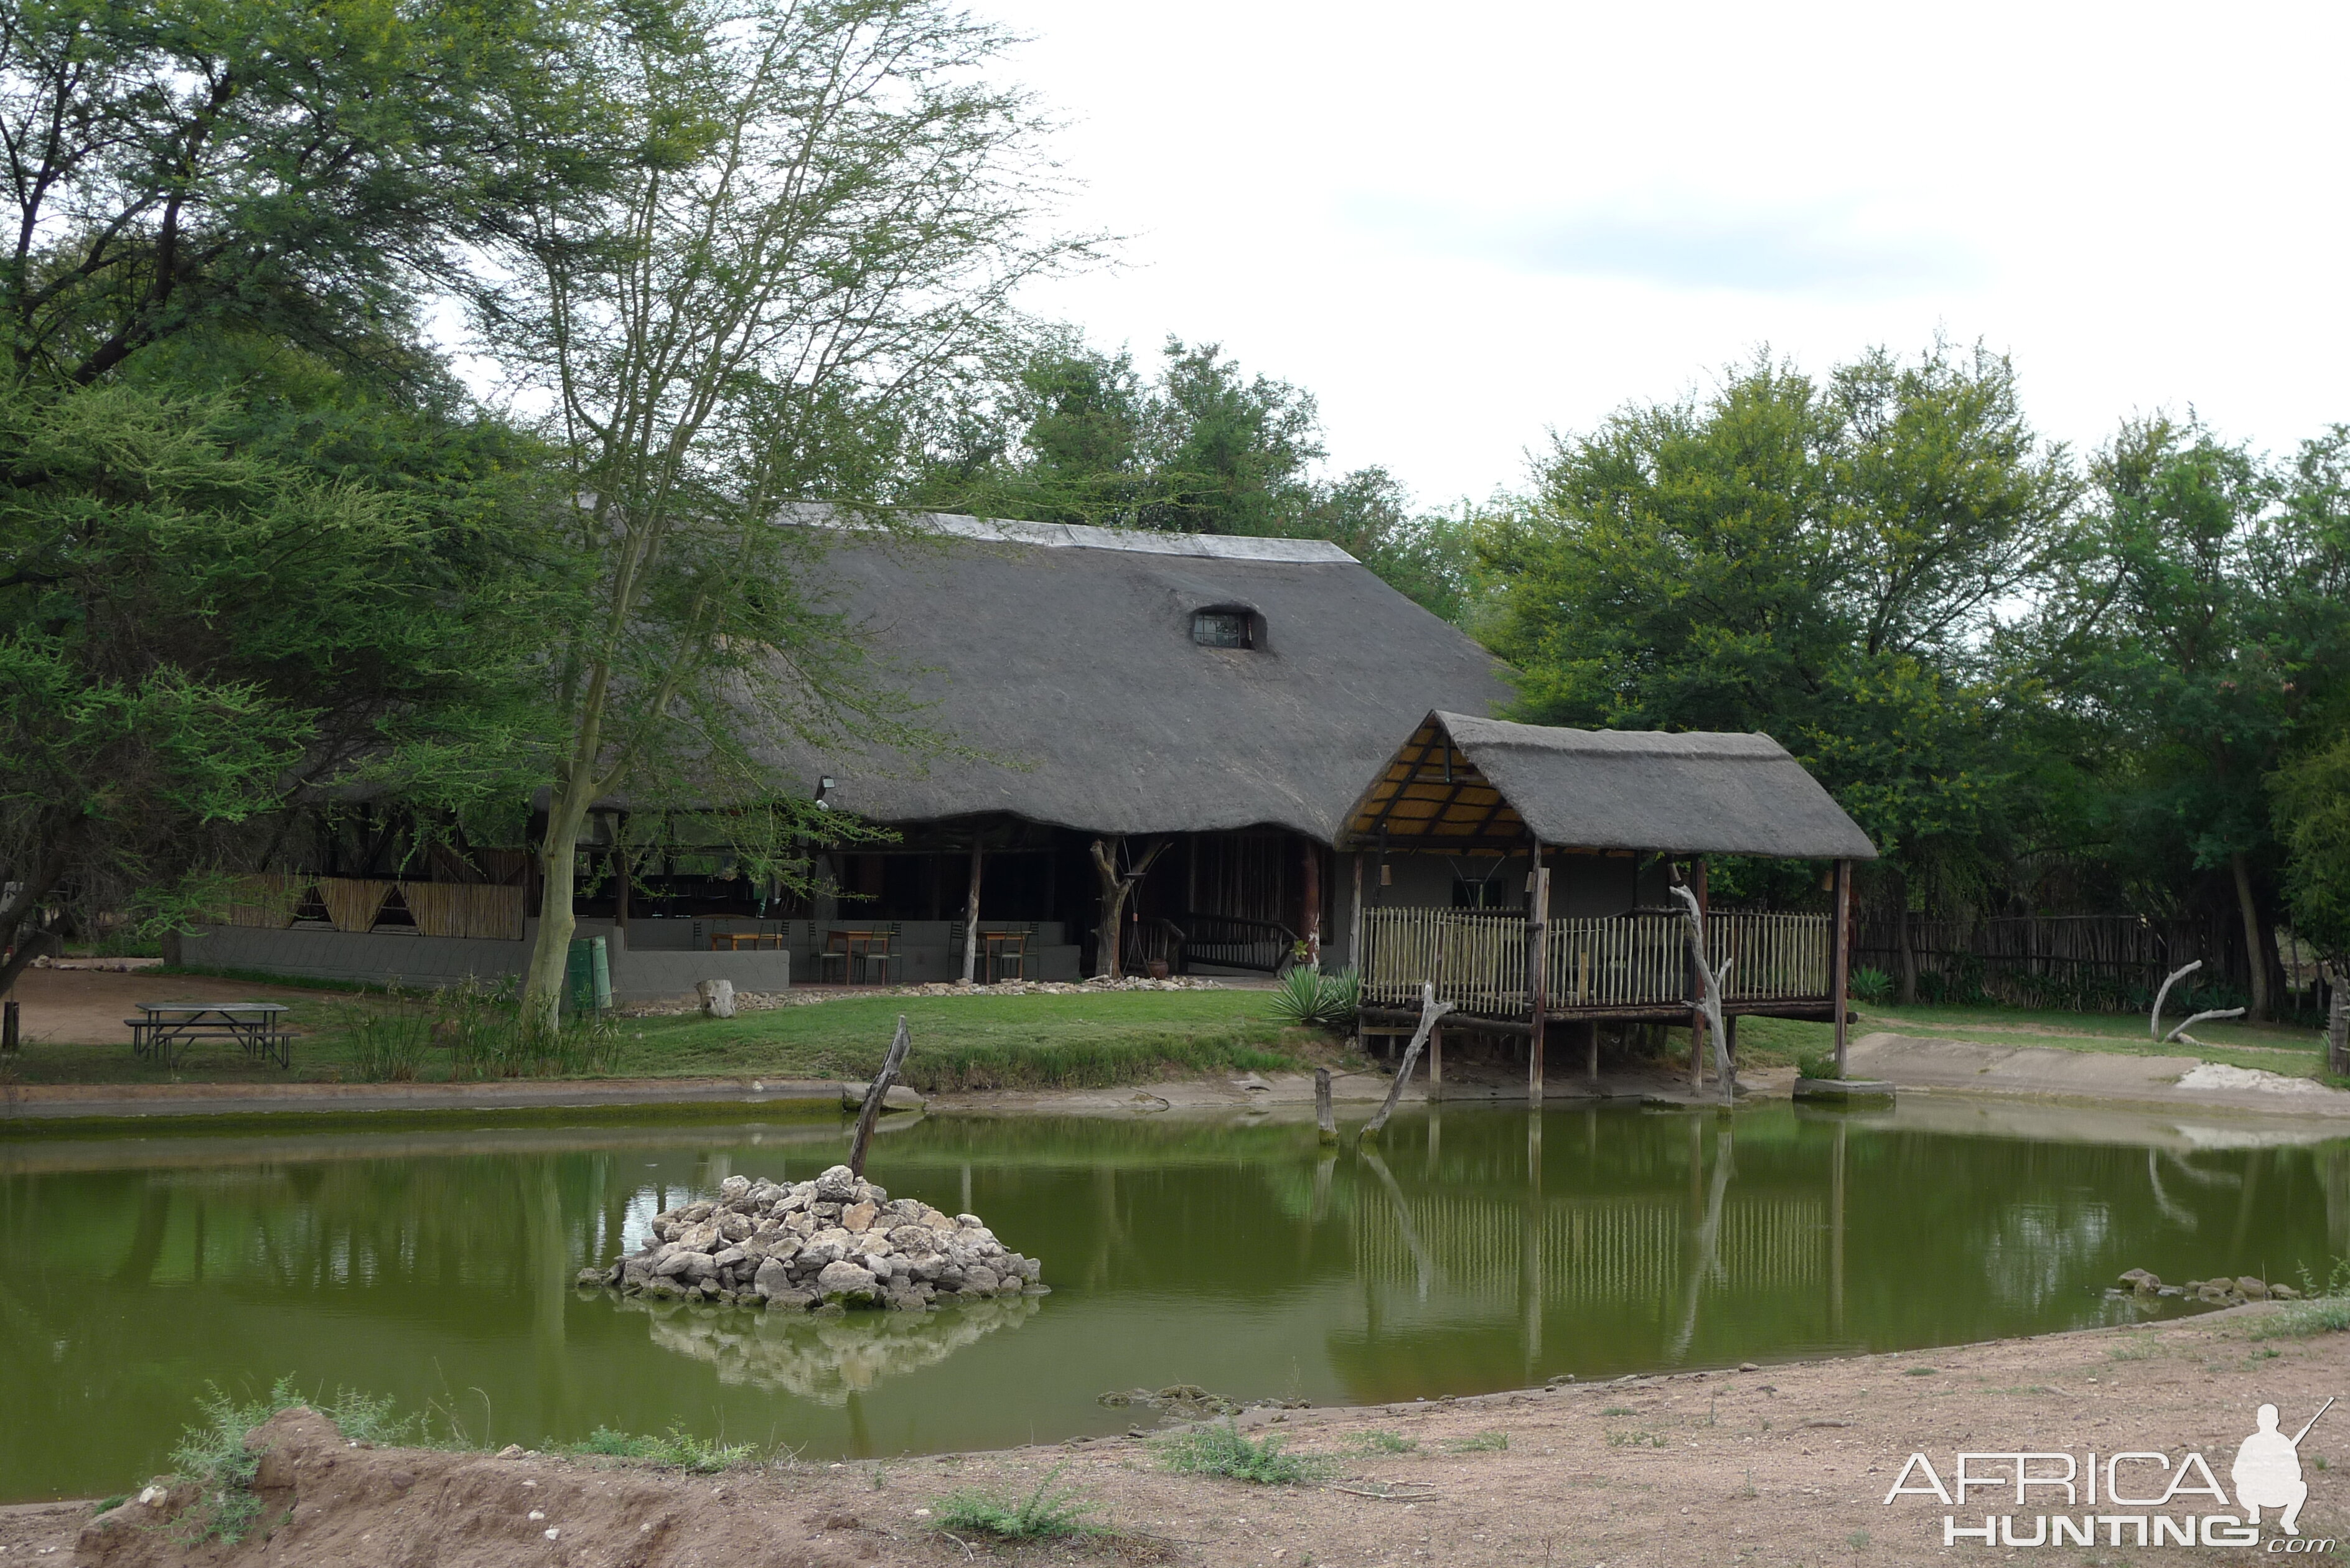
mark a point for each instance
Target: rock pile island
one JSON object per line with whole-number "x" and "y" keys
{"x": 835, "y": 1242}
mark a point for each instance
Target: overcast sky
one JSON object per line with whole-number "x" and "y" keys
{"x": 1463, "y": 226}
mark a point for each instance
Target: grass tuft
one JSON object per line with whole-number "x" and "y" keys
{"x": 1492, "y": 1441}
{"x": 1225, "y": 1451}
{"x": 1386, "y": 1443}
{"x": 212, "y": 1455}
{"x": 1047, "y": 1513}
{"x": 676, "y": 1449}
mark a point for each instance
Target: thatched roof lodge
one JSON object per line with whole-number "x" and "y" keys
{"x": 1207, "y": 753}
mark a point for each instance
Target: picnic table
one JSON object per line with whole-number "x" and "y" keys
{"x": 164, "y": 1029}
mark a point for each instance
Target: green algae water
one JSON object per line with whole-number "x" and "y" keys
{"x": 1478, "y": 1248}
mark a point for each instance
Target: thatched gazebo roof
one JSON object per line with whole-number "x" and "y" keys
{"x": 1464, "y": 785}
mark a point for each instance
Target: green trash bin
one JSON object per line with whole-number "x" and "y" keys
{"x": 588, "y": 975}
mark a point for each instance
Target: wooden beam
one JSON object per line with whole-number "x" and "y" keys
{"x": 1537, "y": 971}
{"x": 1840, "y": 944}
{"x": 970, "y": 913}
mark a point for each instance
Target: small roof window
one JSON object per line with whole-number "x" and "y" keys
{"x": 1224, "y": 629}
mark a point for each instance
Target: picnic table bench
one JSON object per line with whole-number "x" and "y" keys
{"x": 164, "y": 1029}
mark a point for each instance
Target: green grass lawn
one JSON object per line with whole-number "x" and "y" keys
{"x": 959, "y": 1043}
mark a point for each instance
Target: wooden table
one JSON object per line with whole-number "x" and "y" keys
{"x": 164, "y": 1029}
{"x": 735, "y": 942}
{"x": 1004, "y": 951}
{"x": 857, "y": 951}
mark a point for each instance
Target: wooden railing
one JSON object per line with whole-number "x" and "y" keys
{"x": 1230, "y": 941}
{"x": 1478, "y": 959}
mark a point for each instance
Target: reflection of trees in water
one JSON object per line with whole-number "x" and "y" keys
{"x": 825, "y": 1359}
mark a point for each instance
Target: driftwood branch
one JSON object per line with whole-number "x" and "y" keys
{"x": 1323, "y": 1120}
{"x": 879, "y": 1091}
{"x": 2187, "y": 1024}
{"x": 1430, "y": 1010}
{"x": 1708, "y": 999}
{"x": 2154, "y": 1023}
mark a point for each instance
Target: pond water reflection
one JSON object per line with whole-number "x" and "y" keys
{"x": 1479, "y": 1249}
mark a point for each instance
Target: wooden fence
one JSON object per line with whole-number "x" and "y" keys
{"x": 1478, "y": 959}
{"x": 2097, "y": 962}
{"x": 273, "y": 899}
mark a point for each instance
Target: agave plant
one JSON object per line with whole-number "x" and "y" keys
{"x": 1306, "y": 996}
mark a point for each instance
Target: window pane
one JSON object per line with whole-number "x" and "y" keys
{"x": 1220, "y": 629}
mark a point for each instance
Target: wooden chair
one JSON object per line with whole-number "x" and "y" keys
{"x": 1007, "y": 952}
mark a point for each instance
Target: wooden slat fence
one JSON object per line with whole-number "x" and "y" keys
{"x": 1478, "y": 959}
{"x": 2100, "y": 962}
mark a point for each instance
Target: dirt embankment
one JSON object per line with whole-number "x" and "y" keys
{"x": 1786, "y": 1464}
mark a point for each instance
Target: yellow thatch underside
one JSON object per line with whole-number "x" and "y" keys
{"x": 1429, "y": 795}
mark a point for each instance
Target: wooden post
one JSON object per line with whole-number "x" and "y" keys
{"x": 1435, "y": 1060}
{"x": 1430, "y": 1010}
{"x": 1322, "y": 1118}
{"x": 970, "y": 915}
{"x": 1537, "y": 969}
{"x": 877, "y": 1091}
{"x": 1840, "y": 965}
{"x": 1312, "y": 922}
{"x": 10, "y": 1017}
{"x": 2338, "y": 1027}
{"x": 1591, "y": 1051}
{"x": 1354, "y": 947}
{"x": 1696, "y": 1016}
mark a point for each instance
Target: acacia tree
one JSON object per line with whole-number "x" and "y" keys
{"x": 824, "y": 210}
{"x": 1819, "y": 560}
{"x": 304, "y": 170}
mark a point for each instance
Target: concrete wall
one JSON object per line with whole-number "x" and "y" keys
{"x": 386, "y": 959}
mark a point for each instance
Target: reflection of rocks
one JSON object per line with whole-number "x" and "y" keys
{"x": 824, "y": 1355}
{"x": 836, "y": 1239}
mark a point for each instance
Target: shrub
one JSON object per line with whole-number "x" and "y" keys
{"x": 1306, "y": 996}
{"x": 388, "y": 1043}
{"x": 1045, "y": 1514}
{"x": 1225, "y": 1451}
{"x": 1818, "y": 1064}
{"x": 1869, "y": 985}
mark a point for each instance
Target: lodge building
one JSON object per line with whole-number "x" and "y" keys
{"x": 1245, "y": 750}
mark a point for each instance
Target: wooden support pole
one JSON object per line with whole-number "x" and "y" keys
{"x": 1840, "y": 964}
{"x": 1537, "y": 969}
{"x": 1354, "y": 945}
{"x": 1322, "y": 1118}
{"x": 1430, "y": 1010}
{"x": 971, "y": 914}
{"x": 1312, "y": 923}
{"x": 1697, "y": 1015}
{"x": 1591, "y": 1052}
{"x": 877, "y": 1092}
{"x": 1435, "y": 1060}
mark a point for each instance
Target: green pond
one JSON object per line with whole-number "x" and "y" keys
{"x": 1481, "y": 1249}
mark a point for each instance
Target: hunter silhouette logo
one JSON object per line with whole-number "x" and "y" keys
{"x": 2267, "y": 1471}
{"x": 2137, "y": 1497}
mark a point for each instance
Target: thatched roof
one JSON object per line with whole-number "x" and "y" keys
{"x": 1462, "y": 783}
{"x": 1067, "y": 655}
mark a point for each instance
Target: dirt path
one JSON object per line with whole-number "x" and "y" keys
{"x": 2105, "y": 1076}
{"x": 1779, "y": 1465}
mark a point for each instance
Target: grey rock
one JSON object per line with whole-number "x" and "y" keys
{"x": 773, "y": 1278}
{"x": 837, "y": 1185}
{"x": 729, "y": 1257}
{"x": 979, "y": 1279}
{"x": 676, "y": 1263}
{"x": 593, "y": 1276}
{"x": 733, "y": 1187}
{"x": 790, "y": 1300}
{"x": 847, "y": 1285}
{"x": 2252, "y": 1289}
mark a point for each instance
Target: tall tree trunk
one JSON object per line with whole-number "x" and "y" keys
{"x": 15, "y": 913}
{"x": 550, "y": 955}
{"x": 2256, "y": 947}
{"x": 1113, "y": 907}
{"x": 1115, "y": 887}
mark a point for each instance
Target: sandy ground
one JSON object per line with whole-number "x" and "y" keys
{"x": 2107, "y": 1076}
{"x": 1780, "y": 1465}
{"x": 87, "y": 1006}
